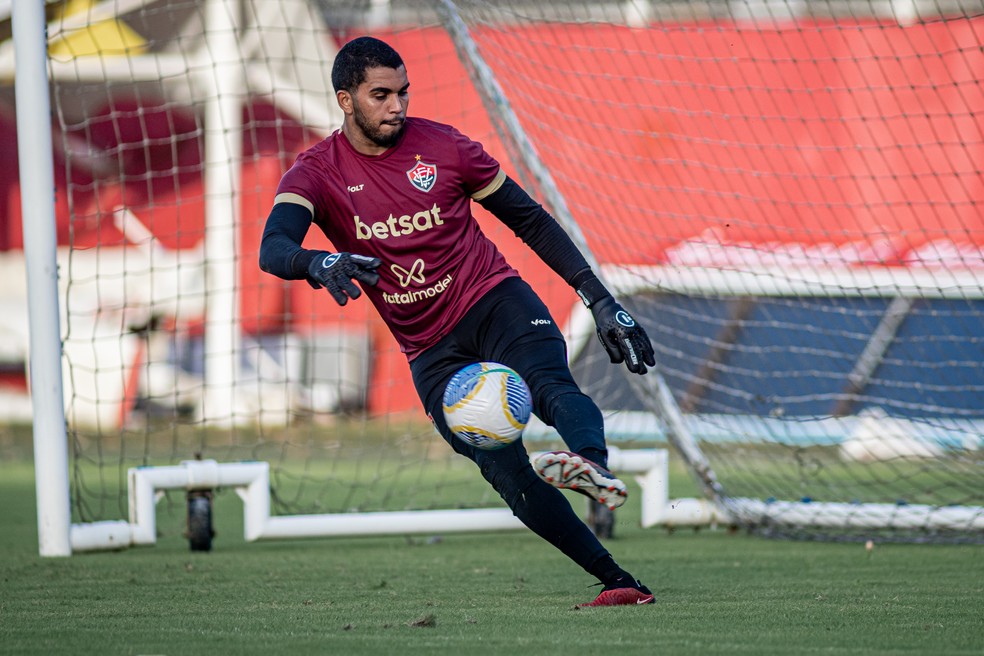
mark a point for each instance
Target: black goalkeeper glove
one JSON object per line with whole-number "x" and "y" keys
{"x": 623, "y": 338}
{"x": 336, "y": 271}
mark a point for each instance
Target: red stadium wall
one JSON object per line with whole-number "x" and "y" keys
{"x": 827, "y": 136}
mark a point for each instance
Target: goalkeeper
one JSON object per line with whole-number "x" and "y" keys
{"x": 393, "y": 194}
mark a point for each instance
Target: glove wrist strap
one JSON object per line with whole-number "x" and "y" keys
{"x": 591, "y": 290}
{"x": 300, "y": 263}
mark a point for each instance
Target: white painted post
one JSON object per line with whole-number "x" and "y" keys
{"x": 37, "y": 182}
{"x": 223, "y": 160}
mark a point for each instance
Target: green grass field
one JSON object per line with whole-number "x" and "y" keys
{"x": 475, "y": 594}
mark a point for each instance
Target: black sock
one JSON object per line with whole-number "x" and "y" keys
{"x": 547, "y": 512}
{"x": 622, "y": 580}
{"x": 606, "y": 570}
{"x": 595, "y": 455}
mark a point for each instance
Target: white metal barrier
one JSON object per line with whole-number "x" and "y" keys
{"x": 251, "y": 481}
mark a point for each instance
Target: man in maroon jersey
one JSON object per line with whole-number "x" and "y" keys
{"x": 393, "y": 194}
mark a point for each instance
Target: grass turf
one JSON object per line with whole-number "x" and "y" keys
{"x": 506, "y": 593}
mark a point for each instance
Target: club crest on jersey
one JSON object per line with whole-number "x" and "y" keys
{"x": 423, "y": 175}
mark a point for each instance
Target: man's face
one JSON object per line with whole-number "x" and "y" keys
{"x": 378, "y": 107}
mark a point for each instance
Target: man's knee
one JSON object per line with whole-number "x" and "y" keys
{"x": 560, "y": 403}
{"x": 509, "y": 472}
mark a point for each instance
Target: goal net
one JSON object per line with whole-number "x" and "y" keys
{"x": 788, "y": 196}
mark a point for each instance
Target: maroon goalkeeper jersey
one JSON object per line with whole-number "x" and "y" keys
{"x": 411, "y": 208}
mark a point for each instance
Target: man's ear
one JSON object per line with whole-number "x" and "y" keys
{"x": 344, "y": 99}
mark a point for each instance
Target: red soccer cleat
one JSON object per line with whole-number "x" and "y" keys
{"x": 569, "y": 471}
{"x": 622, "y": 597}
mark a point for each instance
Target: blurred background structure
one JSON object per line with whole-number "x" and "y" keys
{"x": 789, "y": 194}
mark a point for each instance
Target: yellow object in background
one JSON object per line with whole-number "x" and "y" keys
{"x": 105, "y": 37}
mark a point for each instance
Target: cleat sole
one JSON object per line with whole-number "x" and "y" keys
{"x": 571, "y": 472}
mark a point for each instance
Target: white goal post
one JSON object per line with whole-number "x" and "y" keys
{"x": 251, "y": 481}
{"x": 34, "y": 156}
{"x": 785, "y": 194}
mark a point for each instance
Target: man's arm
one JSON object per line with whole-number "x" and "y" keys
{"x": 281, "y": 254}
{"x": 536, "y": 227}
{"x": 623, "y": 338}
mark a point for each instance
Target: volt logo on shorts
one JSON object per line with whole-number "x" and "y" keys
{"x": 541, "y": 322}
{"x": 415, "y": 274}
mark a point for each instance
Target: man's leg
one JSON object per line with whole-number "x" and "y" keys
{"x": 546, "y": 512}
{"x": 484, "y": 336}
{"x": 529, "y": 341}
{"x": 541, "y": 507}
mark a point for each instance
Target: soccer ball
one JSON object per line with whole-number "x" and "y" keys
{"x": 487, "y": 405}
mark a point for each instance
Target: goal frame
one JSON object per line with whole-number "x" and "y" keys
{"x": 58, "y": 537}
{"x": 251, "y": 482}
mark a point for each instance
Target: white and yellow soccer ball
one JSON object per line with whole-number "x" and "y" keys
{"x": 487, "y": 404}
